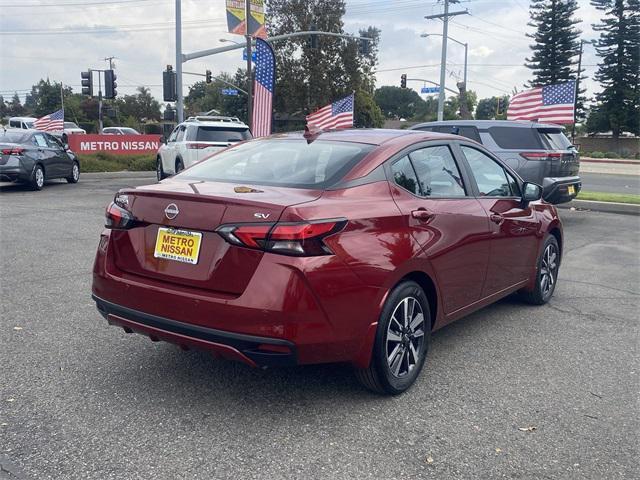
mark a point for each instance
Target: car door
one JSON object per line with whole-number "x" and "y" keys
{"x": 64, "y": 163}
{"x": 515, "y": 228}
{"x": 47, "y": 155}
{"x": 445, "y": 219}
{"x": 168, "y": 152}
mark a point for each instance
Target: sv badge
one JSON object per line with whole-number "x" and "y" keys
{"x": 262, "y": 215}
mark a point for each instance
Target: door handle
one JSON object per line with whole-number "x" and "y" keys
{"x": 495, "y": 218}
{"x": 422, "y": 214}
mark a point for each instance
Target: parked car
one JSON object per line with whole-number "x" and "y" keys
{"x": 349, "y": 246}
{"x": 71, "y": 128}
{"x": 119, "y": 131}
{"x": 32, "y": 157}
{"x": 197, "y": 138}
{"x": 22, "y": 122}
{"x": 539, "y": 152}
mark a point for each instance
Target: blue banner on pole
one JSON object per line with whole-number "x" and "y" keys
{"x": 244, "y": 55}
{"x": 430, "y": 90}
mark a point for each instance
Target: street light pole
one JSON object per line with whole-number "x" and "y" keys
{"x": 443, "y": 61}
{"x": 179, "y": 60}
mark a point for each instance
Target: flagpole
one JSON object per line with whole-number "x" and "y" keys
{"x": 62, "y": 98}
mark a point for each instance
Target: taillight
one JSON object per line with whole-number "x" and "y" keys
{"x": 117, "y": 215}
{"x": 301, "y": 239}
{"x": 12, "y": 151}
{"x": 541, "y": 156}
{"x": 197, "y": 146}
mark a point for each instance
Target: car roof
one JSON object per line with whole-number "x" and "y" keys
{"x": 29, "y": 119}
{"x": 372, "y": 136}
{"x": 216, "y": 121}
{"x": 489, "y": 123}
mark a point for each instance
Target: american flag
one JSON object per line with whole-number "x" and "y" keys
{"x": 339, "y": 114}
{"x": 551, "y": 103}
{"x": 263, "y": 89}
{"x": 50, "y": 123}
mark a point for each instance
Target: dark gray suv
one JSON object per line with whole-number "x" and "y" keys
{"x": 540, "y": 152}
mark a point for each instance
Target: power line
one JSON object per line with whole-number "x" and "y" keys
{"x": 73, "y": 4}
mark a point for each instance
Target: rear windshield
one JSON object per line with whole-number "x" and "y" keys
{"x": 70, "y": 125}
{"x": 517, "y": 138}
{"x": 287, "y": 163}
{"x": 219, "y": 134}
{"x": 555, "y": 139}
{"x": 129, "y": 131}
{"x": 7, "y": 136}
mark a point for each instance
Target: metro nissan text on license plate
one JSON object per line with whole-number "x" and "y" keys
{"x": 179, "y": 245}
{"x": 571, "y": 189}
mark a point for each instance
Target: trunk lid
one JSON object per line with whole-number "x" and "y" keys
{"x": 202, "y": 207}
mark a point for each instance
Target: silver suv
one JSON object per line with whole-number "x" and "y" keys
{"x": 540, "y": 152}
{"x": 195, "y": 139}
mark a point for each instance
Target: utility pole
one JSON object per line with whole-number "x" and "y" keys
{"x": 247, "y": 14}
{"x": 179, "y": 60}
{"x": 443, "y": 60}
{"x": 110, "y": 60}
{"x": 100, "y": 102}
{"x": 575, "y": 100}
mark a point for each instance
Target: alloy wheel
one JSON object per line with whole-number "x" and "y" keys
{"x": 548, "y": 269}
{"x": 405, "y": 337}
{"x": 39, "y": 177}
{"x": 75, "y": 172}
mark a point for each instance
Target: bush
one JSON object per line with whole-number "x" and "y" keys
{"x": 611, "y": 155}
{"x": 595, "y": 155}
{"x": 108, "y": 162}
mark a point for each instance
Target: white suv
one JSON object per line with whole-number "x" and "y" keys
{"x": 197, "y": 138}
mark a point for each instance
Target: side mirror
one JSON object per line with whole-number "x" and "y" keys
{"x": 531, "y": 192}
{"x": 66, "y": 146}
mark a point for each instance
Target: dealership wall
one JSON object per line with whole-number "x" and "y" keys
{"x": 627, "y": 145}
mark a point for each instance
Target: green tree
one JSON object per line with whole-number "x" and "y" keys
{"x": 452, "y": 105}
{"x": 618, "y": 104}
{"x": 141, "y": 106}
{"x": 309, "y": 78}
{"x": 396, "y": 102}
{"x": 367, "y": 113}
{"x": 45, "y": 98}
{"x": 487, "y": 108}
{"x": 3, "y": 108}
{"x": 554, "y": 57}
{"x": 14, "y": 107}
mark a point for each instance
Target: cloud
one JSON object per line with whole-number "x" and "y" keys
{"x": 481, "y": 51}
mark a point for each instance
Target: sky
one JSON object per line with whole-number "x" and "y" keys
{"x": 57, "y": 39}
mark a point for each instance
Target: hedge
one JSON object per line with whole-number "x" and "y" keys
{"x": 108, "y": 162}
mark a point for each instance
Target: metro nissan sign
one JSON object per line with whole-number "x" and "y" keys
{"x": 116, "y": 144}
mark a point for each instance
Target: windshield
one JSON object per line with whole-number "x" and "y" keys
{"x": 29, "y": 124}
{"x": 70, "y": 125}
{"x": 219, "y": 134}
{"x": 555, "y": 139}
{"x": 287, "y": 163}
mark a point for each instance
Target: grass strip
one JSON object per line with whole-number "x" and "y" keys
{"x": 609, "y": 197}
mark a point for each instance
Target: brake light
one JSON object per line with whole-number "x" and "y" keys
{"x": 303, "y": 239}
{"x": 197, "y": 146}
{"x": 540, "y": 156}
{"x": 119, "y": 218}
{"x": 12, "y": 151}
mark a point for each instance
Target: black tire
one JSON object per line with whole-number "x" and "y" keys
{"x": 75, "y": 173}
{"x": 179, "y": 166}
{"x": 36, "y": 182}
{"x": 159, "y": 170}
{"x": 384, "y": 374}
{"x": 548, "y": 266}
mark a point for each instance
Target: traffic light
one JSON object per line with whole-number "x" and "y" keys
{"x": 403, "y": 80}
{"x": 208, "y": 76}
{"x": 87, "y": 84}
{"x": 110, "y": 84}
{"x": 169, "y": 85}
{"x": 313, "y": 40}
{"x": 363, "y": 47}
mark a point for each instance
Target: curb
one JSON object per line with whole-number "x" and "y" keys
{"x": 611, "y": 161}
{"x": 123, "y": 174}
{"x": 606, "y": 207}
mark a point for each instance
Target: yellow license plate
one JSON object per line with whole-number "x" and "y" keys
{"x": 571, "y": 189}
{"x": 179, "y": 245}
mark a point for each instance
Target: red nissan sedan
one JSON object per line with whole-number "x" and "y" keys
{"x": 346, "y": 246}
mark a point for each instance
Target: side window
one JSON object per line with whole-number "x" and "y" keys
{"x": 174, "y": 134}
{"x": 490, "y": 176}
{"x": 405, "y": 176}
{"x": 54, "y": 142}
{"x": 437, "y": 172}
{"x": 39, "y": 140}
{"x": 180, "y": 136}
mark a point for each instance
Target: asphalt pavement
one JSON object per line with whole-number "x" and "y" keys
{"x": 511, "y": 391}
{"x": 602, "y": 182}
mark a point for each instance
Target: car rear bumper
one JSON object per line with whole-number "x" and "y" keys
{"x": 558, "y": 190}
{"x": 13, "y": 170}
{"x": 252, "y": 350}
{"x": 293, "y": 310}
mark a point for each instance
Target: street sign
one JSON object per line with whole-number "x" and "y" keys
{"x": 244, "y": 55}
{"x": 229, "y": 91}
{"x": 430, "y": 90}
